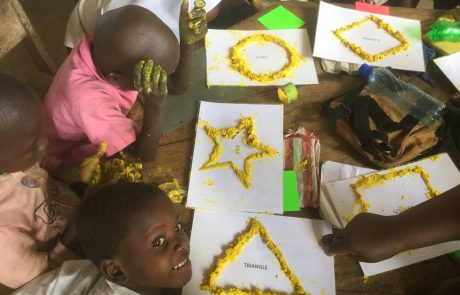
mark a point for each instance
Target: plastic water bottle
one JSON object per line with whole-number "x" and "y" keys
{"x": 406, "y": 97}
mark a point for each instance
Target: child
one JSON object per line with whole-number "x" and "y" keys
{"x": 34, "y": 209}
{"x": 132, "y": 234}
{"x": 84, "y": 16}
{"x": 93, "y": 91}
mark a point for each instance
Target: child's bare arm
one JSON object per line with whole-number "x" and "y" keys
{"x": 151, "y": 82}
{"x": 193, "y": 28}
{"x": 370, "y": 237}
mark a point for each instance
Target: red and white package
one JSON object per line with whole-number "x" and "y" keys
{"x": 301, "y": 154}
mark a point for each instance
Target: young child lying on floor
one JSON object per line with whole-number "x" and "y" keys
{"x": 132, "y": 234}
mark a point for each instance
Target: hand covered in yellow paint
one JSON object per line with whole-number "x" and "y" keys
{"x": 193, "y": 25}
{"x": 90, "y": 168}
{"x": 150, "y": 79}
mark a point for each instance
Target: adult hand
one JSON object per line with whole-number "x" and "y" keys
{"x": 367, "y": 237}
{"x": 150, "y": 79}
{"x": 193, "y": 25}
{"x": 90, "y": 168}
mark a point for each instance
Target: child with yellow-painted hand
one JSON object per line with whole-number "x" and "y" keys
{"x": 131, "y": 55}
{"x": 84, "y": 16}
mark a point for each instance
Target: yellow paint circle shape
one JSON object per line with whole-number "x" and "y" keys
{"x": 241, "y": 64}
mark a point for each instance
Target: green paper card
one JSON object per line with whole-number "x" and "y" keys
{"x": 280, "y": 18}
{"x": 290, "y": 195}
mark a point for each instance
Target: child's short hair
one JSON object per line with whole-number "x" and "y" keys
{"x": 17, "y": 103}
{"x": 104, "y": 216}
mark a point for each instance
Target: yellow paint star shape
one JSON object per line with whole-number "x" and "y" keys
{"x": 250, "y": 139}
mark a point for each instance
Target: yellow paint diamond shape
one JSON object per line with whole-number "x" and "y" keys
{"x": 358, "y": 50}
{"x": 251, "y": 139}
{"x": 234, "y": 250}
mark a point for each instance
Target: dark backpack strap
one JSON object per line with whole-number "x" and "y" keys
{"x": 342, "y": 110}
{"x": 358, "y": 110}
{"x": 385, "y": 123}
{"x": 375, "y": 141}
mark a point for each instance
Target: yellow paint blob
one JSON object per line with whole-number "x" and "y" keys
{"x": 118, "y": 169}
{"x": 208, "y": 182}
{"x": 174, "y": 191}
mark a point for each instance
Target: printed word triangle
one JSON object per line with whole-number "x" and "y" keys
{"x": 235, "y": 248}
{"x": 251, "y": 139}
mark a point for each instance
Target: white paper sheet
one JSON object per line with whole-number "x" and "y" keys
{"x": 392, "y": 197}
{"x": 296, "y": 238}
{"x": 333, "y": 171}
{"x": 450, "y": 66}
{"x": 369, "y": 37}
{"x": 263, "y": 58}
{"x": 220, "y": 188}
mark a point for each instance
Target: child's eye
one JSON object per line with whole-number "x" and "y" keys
{"x": 178, "y": 226}
{"x": 158, "y": 241}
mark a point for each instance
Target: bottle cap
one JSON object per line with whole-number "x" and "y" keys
{"x": 365, "y": 70}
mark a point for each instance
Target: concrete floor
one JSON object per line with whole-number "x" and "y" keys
{"x": 49, "y": 18}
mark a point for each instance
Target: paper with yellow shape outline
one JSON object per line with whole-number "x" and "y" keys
{"x": 264, "y": 67}
{"x": 358, "y": 50}
{"x": 239, "y": 63}
{"x": 328, "y": 46}
{"x": 227, "y": 191}
{"x": 234, "y": 250}
{"x": 340, "y": 196}
{"x": 250, "y": 139}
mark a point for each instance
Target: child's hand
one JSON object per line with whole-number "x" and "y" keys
{"x": 90, "y": 168}
{"x": 150, "y": 79}
{"x": 193, "y": 25}
{"x": 367, "y": 237}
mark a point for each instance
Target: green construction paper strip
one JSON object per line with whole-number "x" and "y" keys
{"x": 280, "y": 18}
{"x": 291, "y": 200}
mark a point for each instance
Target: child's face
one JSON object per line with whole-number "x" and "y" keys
{"x": 25, "y": 145}
{"x": 155, "y": 254}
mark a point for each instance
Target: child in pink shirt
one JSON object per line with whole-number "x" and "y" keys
{"x": 34, "y": 209}
{"x": 94, "y": 89}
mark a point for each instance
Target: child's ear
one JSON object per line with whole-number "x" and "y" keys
{"x": 113, "y": 271}
{"x": 113, "y": 77}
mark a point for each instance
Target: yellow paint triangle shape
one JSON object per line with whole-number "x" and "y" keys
{"x": 234, "y": 250}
